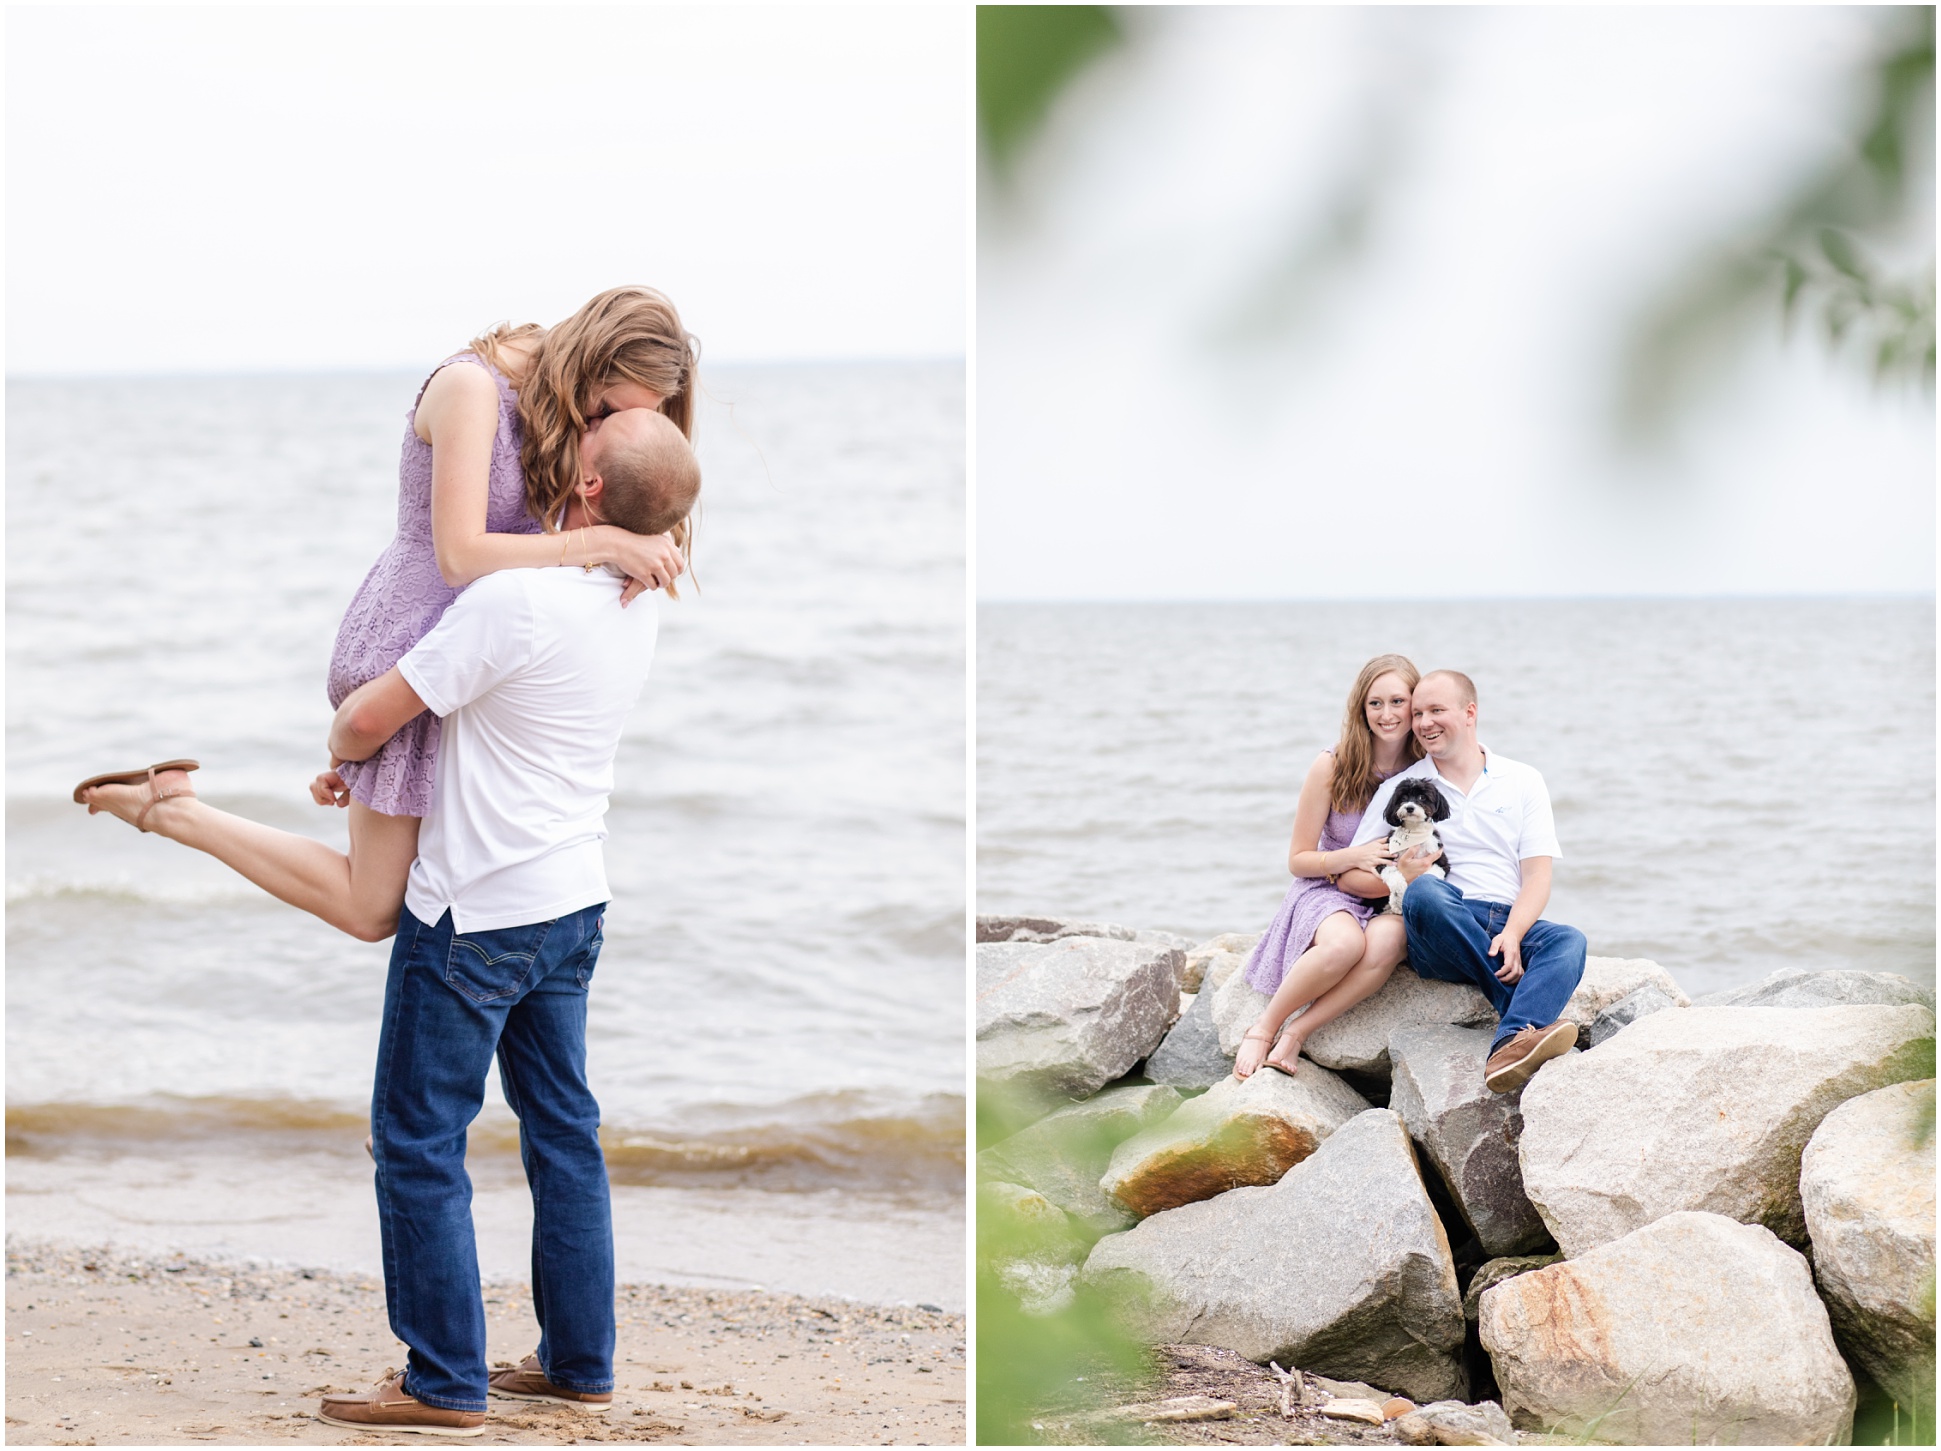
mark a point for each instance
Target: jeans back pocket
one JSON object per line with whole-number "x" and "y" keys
{"x": 487, "y": 966}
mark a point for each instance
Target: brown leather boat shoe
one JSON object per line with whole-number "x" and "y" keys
{"x": 1511, "y": 1066}
{"x": 386, "y": 1407}
{"x": 527, "y": 1382}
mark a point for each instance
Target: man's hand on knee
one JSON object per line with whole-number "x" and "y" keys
{"x": 1510, "y": 949}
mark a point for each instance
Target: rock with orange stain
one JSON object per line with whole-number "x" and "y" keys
{"x": 1706, "y": 1109}
{"x": 1867, "y": 1179}
{"x": 1341, "y": 1268}
{"x": 1694, "y": 1329}
{"x": 1239, "y": 1132}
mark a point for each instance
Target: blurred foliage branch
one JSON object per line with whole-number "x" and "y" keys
{"x": 1818, "y": 257}
{"x": 1026, "y": 55}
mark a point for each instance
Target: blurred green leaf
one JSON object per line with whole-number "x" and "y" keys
{"x": 1815, "y": 254}
{"x": 1026, "y": 55}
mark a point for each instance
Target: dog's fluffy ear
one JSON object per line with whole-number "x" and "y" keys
{"x": 1395, "y": 799}
{"x": 1440, "y": 804}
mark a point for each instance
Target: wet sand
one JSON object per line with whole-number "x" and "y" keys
{"x": 107, "y": 1348}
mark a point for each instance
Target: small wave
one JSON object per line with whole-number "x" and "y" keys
{"x": 127, "y": 891}
{"x": 831, "y": 1141}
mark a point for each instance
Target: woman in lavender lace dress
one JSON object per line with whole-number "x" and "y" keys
{"x": 1326, "y": 949}
{"x": 491, "y": 453}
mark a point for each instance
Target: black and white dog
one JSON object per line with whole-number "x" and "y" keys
{"x": 1413, "y": 811}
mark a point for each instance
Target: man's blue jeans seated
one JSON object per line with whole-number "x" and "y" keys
{"x": 1449, "y": 938}
{"x": 452, "y": 1002}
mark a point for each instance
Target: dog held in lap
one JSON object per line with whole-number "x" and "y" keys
{"x": 1413, "y": 811}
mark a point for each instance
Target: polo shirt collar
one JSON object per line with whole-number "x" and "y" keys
{"x": 1480, "y": 782}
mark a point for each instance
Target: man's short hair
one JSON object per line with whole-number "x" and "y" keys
{"x": 1465, "y": 687}
{"x": 651, "y": 475}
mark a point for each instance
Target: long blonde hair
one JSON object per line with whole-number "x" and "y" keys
{"x": 1354, "y": 754}
{"x": 630, "y": 334}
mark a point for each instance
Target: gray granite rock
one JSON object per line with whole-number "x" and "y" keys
{"x": 1638, "y": 1003}
{"x": 1065, "y": 1018}
{"x": 1794, "y": 987}
{"x": 1607, "y": 980}
{"x": 1867, "y": 1181}
{"x": 1047, "y": 929}
{"x": 1357, "y": 1041}
{"x": 1492, "y": 1273}
{"x": 1063, "y": 1154}
{"x": 1159, "y": 937}
{"x": 1236, "y": 1004}
{"x": 1190, "y": 1056}
{"x": 1248, "y": 1131}
{"x": 1451, "y": 1423}
{"x": 1469, "y": 1133}
{"x": 1692, "y": 1330}
{"x": 1030, "y": 1246}
{"x": 1227, "y": 944}
{"x": 1341, "y": 1268}
{"x": 1704, "y": 1108}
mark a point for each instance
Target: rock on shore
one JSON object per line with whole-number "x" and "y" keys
{"x": 1190, "y": 1056}
{"x": 1703, "y": 1108}
{"x": 1064, "y": 1018}
{"x": 1694, "y": 1329}
{"x": 1867, "y": 1181}
{"x": 1063, "y": 1154}
{"x": 1240, "y": 1132}
{"x": 1342, "y": 1268}
{"x": 1469, "y": 1133}
{"x": 1795, "y": 987}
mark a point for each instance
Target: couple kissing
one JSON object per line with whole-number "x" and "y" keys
{"x": 1476, "y": 918}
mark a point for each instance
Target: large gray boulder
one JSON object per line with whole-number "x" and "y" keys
{"x": 1062, "y": 1155}
{"x": 1867, "y": 1180}
{"x": 1703, "y": 1108}
{"x": 1341, "y": 1268}
{"x": 1357, "y": 1041}
{"x": 1492, "y": 1273}
{"x": 1606, "y": 980}
{"x": 1692, "y": 1330}
{"x": 1029, "y": 1244}
{"x": 1469, "y": 1133}
{"x": 1190, "y": 1056}
{"x": 1638, "y": 1003}
{"x": 1241, "y": 1131}
{"x": 1797, "y": 987}
{"x": 1215, "y": 949}
{"x": 1236, "y": 1004}
{"x": 1047, "y": 929}
{"x": 1065, "y": 1018}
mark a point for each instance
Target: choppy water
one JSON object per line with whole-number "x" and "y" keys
{"x": 779, "y": 1004}
{"x": 1739, "y": 786}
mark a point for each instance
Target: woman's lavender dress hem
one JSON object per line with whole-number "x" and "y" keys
{"x": 1309, "y": 903}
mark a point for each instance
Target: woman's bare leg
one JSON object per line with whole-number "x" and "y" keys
{"x": 1336, "y": 948}
{"x": 1383, "y": 945}
{"x": 359, "y": 893}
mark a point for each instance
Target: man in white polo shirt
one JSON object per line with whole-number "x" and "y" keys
{"x": 532, "y": 672}
{"x": 1483, "y": 925}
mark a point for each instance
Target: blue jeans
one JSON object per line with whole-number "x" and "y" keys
{"x": 450, "y": 1003}
{"x": 1449, "y": 938}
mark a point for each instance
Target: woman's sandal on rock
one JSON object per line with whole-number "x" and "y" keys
{"x": 1254, "y": 1035}
{"x": 156, "y": 796}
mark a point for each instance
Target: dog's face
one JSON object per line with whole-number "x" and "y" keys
{"x": 1414, "y": 802}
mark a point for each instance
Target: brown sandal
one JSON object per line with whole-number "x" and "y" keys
{"x": 156, "y": 796}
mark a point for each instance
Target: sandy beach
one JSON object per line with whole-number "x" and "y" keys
{"x": 111, "y": 1348}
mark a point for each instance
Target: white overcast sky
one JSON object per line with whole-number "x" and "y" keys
{"x": 245, "y": 187}
{"x": 1442, "y": 427}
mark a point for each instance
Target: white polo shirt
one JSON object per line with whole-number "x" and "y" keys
{"x": 1504, "y": 818}
{"x": 533, "y": 672}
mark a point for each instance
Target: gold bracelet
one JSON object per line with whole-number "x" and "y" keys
{"x": 565, "y": 540}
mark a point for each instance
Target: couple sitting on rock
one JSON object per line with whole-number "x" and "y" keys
{"x": 1328, "y": 948}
